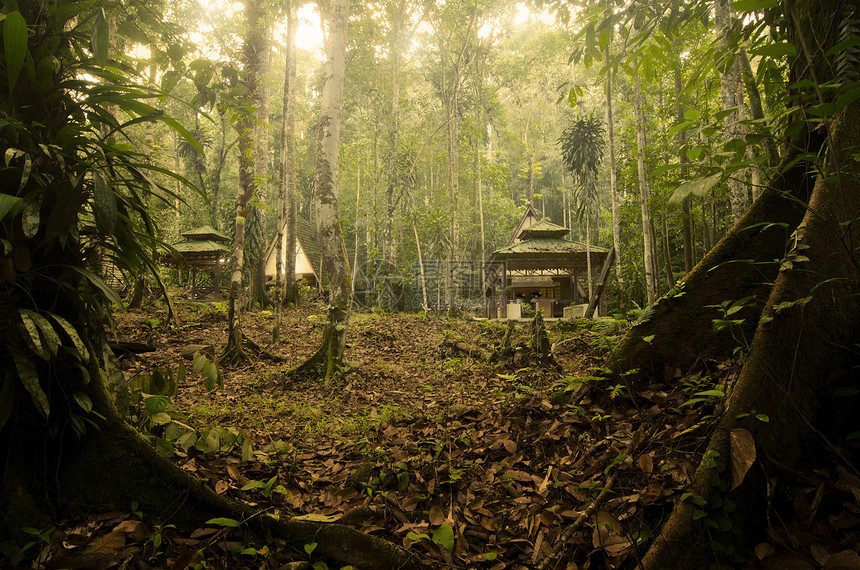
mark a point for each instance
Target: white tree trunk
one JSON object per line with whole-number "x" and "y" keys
{"x": 613, "y": 175}
{"x": 730, "y": 87}
{"x": 334, "y": 261}
{"x": 648, "y": 248}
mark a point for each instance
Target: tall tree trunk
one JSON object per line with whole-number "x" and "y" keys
{"x": 252, "y": 52}
{"x": 613, "y": 175}
{"x": 730, "y": 83}
{"x": 357, "y": 226}
{"x": 261, "y": 180}
{"x": 335, "y": 266}
{"x": 177, "y": 187}
{"x": 670, "y": 276}
{"x": 390, "y": 234}
{"x": 803, "y": 323}
{"x": 588, "y": 250}
{"x": 756, "y": 112}
{"x": 285, "y": 274}
{"x": 647, "y": 245}
{"x": 686, "y": 213}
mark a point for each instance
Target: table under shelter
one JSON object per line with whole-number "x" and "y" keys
{"x": 541, "y": 267}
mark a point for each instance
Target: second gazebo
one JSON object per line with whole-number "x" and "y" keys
{"x": 539, "y": 266}
{"x": 205, "y": 251}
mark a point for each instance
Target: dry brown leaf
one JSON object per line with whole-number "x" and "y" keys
{"x": 646, "y": 463}
{"x": 609, "y": 535}
{"x": 742, "y": 450}
{"x": 110, "y": 543}
{"x": 221, "y": 486}
{"x": 763, "y": 550}
{"x": 138, "y": 529}
{"x": 845, "y": 560}
{"x": 437, "y": 517}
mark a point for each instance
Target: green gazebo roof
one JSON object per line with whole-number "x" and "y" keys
{"x": 204, "y": 233}
{"x": 543, "y": 230}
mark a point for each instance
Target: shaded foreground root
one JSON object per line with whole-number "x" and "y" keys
{"x": 128, "y": 469}
{"x": 802, "y": 350}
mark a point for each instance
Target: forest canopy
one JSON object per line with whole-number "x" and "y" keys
{"x": 710, "y": 145}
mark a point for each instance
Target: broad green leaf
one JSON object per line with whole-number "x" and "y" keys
{"x": 160, "y": 419}
{"x": 7, "y": 398}
{"x": 752, "y": 5}
{"x": 9, "y": 204}
{"x": 30, "y": 378}
{"x": 34, "y": 341}
{"x": 50, "y": 338}
{"x": 156, "y": 381}
{"x": 180, "y": 373}
{"x": 169, "y": 80}
{"x": 709, "y": 393}
{"x": 692, "y": 115}
{"x": 184, "y": 133}
{"x": 14, "y": 45}
{"x": 155, "y": 404}
{"x": 247, "y": 450}
{"x": 108, "y": 292}
{"x": 25, "y": 172}
{"x": 605, "y": 36}
{"x": 164, "y": 447}
{"x": 104, "y": 204}
{"x": 776, "y": 50}
{"x": 100, "y": 40}
{"x": 209, "y": 441}
{"x": 698, "y": 187}
{"x": 83, "y": 401}
{"x": 223, "y": 521}
{"x": 444, "y": 537}
{"x": 73, "y": 335}
{"x": 31, "y": 217}
{"x": 187, "y": 441}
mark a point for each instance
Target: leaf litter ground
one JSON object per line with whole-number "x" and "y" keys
{"x": 468, "y": 461}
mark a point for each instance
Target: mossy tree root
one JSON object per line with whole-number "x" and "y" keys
{"x": 744, "y": 263}
{"x": 326, "y": 362}
{"x": 800, "y": 354}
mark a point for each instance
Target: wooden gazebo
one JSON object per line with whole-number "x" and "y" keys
{"x": 205, "y": 251}
{"x": 541, "y": 267}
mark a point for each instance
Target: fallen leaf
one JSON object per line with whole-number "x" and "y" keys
{"x": 646, "y": 463}
{"x": 609, "y": 535}
{"x": 437, "y": 516}
{"x": 742, "y": 450}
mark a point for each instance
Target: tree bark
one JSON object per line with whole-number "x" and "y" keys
{"x": 326, "y": 361}
{"x": 285, "y": 276}
{"x": 252, "y": 52}
{"x": 800, "y": 332}
{"x": 647, "y": 245}
{"x": 613, "y": 175}
{"x": 257, "y": 294}
{"x": 730, "y": 83}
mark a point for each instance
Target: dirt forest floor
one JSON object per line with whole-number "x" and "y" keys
{"x": 436, "y": 441}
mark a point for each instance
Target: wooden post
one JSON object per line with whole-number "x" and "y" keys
{"x": 601, "y": 283}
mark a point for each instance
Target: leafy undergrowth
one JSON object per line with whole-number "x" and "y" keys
{"x": 468, "y": 461}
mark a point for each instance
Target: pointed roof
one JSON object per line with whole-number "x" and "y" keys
{"x": 530, "y": 217}
{"x": 306, "y": 235}
{"x": 537, "y": 243}
{"x": 205, "y": 233}
{"x": 543, "y": 229}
